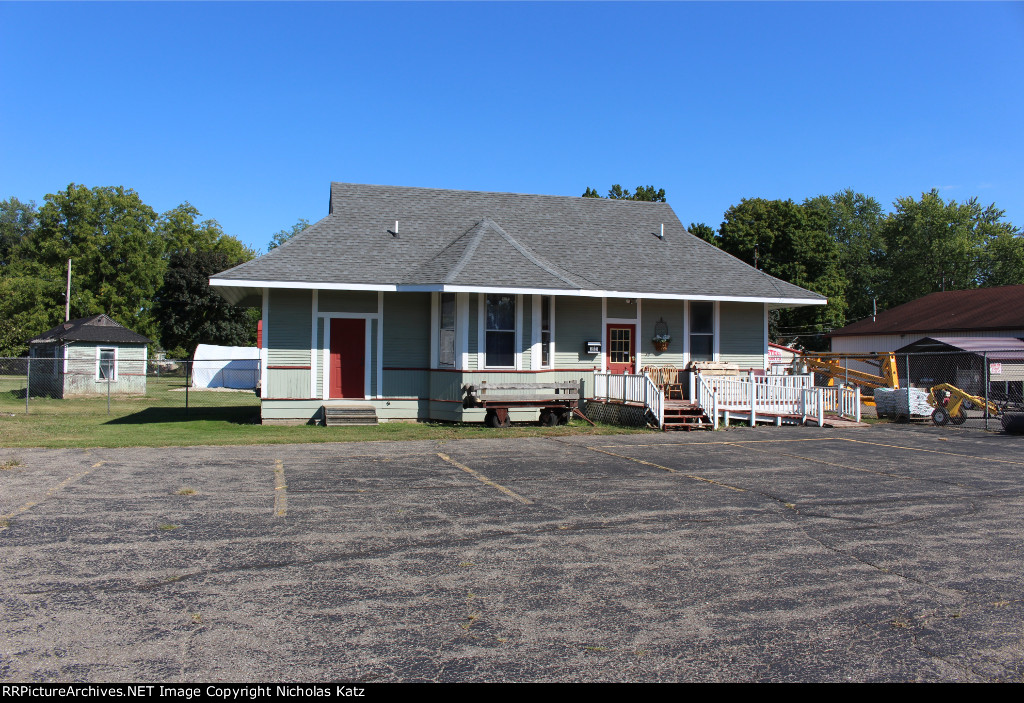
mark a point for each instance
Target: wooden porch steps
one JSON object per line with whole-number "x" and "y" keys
{"x": 348, "y": 415}
{"x": 685, "y": 415}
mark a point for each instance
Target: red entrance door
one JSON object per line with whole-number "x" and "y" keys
{"x": 621, "y": 346}
{"x": 348, "y": 358}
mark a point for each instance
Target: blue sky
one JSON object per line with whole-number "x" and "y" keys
{"x": 250, "y": 110}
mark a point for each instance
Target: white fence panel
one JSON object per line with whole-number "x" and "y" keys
{"x": 631, "y": 388}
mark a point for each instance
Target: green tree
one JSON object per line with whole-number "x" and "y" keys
{"x": 30, "y": 298}
{"x": 646, "y": 193}
{"x": 181, "y": 231}
{"x": 787, "y": 241}
{"x": 649, "y": 194}
{"x": 853, "y": 221}
{"x": 933, "y": 245}
{"x": 191, "y": 313}
{"x": 282, "y": 236}
{"x": 705, "y": 232}
{"x": 117, "y": 256}
{"x": 1003, "y": 264}
{"x": 17, "y": 221}
{"x": 30, "y": 303}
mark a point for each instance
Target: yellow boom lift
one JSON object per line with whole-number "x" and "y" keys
{"x": 835, "y": 366}
{"x": 950, "y": 403}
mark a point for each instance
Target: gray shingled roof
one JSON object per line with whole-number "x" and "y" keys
{"x": 97, "y": 328}
{"x": 507, "y": 240}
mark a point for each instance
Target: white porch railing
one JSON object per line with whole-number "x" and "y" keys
{"x": 812, "y": 404}
{"x": 842, "y": 401}
{"x": 774, "y": 395}
{"x": 707, "y": 397}
{"x": 753, "y": 395}
{"x": 631, "y": 388}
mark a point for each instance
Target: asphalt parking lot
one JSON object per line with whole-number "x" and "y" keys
{"x": 782, "y": 554}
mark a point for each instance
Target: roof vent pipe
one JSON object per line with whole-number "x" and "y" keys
{"x": 395, "y": 232}
{"x": 662, "y": 235}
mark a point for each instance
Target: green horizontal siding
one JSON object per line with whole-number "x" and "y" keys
{"x": 303, "y": 411}
{"x": 407, "y": 330}
{"x": 618, "y": 307}
{"x": 577, "y": 320}
{"x": 672, "y": 312}
{"x": 290, "y": 409}
{"x": 288, "y": 383}
{"x": 406, "y": 383}
{"x": 288, "y": 333}
{"x": 446, "y": 385}
{"x": 438, "y": 387}
{"x": 741, "y": 327}
{"x": 359, "y": 301}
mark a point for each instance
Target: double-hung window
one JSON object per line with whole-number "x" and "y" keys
{"x": 106, "y": 364}
{"x": 446, "y": 331}
{"x": 500, "y": 342}
{"x": 702, "y": 331}
{"x": 545, "y": 331}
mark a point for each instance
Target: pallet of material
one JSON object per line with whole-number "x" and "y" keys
{"x": 902, "y": 403}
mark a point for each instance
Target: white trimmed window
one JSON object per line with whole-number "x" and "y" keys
{"x": 446, "y": 330}
{"x": 546, "y": 360}
{"x": 106, "y": 364}
{"x": 702, "y": 331}
{"x": 500, "y": 332}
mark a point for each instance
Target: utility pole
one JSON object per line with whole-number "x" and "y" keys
{"x": 67, "y": 296}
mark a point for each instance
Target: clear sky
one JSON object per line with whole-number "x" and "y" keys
{"x": 249, "y": 110}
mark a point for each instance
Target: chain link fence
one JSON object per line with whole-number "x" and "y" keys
{"x": 981, "y": 389}
{"x": 149, "y": 390}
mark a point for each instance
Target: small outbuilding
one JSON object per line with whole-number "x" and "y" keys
{"x": 89, "y": 356}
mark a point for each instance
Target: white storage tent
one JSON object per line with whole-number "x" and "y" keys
{"x": 225, "y": 367}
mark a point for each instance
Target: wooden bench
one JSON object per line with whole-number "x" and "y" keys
{"x": 557, "y": 400}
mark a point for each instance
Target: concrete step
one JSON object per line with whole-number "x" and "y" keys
{"x": 348, "y": 415}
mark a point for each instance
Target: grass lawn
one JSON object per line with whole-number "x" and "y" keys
{"x": 158, "y": 419}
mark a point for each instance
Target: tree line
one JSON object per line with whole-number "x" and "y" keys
{"x": 147, "y": 271}
{"x": 150, "y": 271}
{"x": 847, "y": 248}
